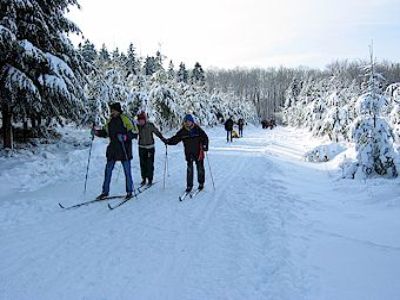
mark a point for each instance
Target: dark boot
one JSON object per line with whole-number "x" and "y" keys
{"x": 128, "y": 196}
{"x": 189, "y": 189}
{"x": 102, "y": 196}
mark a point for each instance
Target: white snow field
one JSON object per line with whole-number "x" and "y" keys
{"x": 276, "y": 227}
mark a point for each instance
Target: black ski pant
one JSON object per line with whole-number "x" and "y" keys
{"x": 147, "y": 163}
{"x": 229, "y": 135}
{"x": 201, "y": 173}
{"x": 241, "y": 131}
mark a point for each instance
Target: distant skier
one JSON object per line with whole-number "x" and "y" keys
{"x": 120, "y": 130}
{"x": 146, "y": 147}
{"x": 195, "y": 142}
{"x": 241, "y": 125}
{"x": 229, "y": 127}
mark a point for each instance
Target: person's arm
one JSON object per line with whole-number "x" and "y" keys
{"x": 176, "y": 138}
{"x": 157, "y": 132}
{"x": 101, "y": 132}
{"x": 203, "y": 139}
{"x": 132, "y": 130}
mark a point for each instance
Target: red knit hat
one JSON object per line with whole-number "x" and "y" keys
{"x": 142, "y": 116}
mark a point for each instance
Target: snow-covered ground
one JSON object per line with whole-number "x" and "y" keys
{"x": 276, "y": 227}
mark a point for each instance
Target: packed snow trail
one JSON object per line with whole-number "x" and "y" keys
{"x": 275, "y": 228}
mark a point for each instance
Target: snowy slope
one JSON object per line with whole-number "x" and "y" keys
{"x": 276, "y": 227}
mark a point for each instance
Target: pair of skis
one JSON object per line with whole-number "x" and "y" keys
{"x": 190, "y": 194}
{"x": 138, "y": 191}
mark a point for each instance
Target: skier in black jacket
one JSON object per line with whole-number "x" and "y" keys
{"x": 120, "y": 130}
{"x": 195, "y": 142}
{"x": 229, "y": 128}
{"x": 241, "y": 125}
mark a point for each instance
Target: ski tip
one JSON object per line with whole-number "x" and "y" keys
{"x": 60, "y": 205}
{"x": 109, "y": 206}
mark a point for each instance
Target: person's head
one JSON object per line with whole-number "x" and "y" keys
{"x": 188, "y": 121}
{"x": 115, "y": 109}
{"x": 142, "y": 118}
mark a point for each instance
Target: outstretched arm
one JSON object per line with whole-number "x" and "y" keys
{"x": 158, "y": 133}
{"x": 175, "y": 139}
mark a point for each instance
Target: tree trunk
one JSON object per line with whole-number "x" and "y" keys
{"x": 33, "y": 121}
{"x": 7, "y": 126}
{"x": 25, "y": 131}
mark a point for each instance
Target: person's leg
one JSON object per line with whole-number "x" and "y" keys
{"x": 201, "y": 173}
{"x": 150, "y": 164}
{"x": 128, "y": 176}
{"x": 107, "y": 176}
{"x": 189, "y": 173}
{"x": 143, "y": 158}
{"x": 227, "y": 136}
{"x": 231, "y": 133}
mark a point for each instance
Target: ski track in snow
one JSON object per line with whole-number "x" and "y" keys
{"x": 276, "y": 227}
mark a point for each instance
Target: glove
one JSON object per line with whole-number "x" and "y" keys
{"x": 122, "y": 137}
{"x": 95, "y": 131}
{"x": 205, "y": 147}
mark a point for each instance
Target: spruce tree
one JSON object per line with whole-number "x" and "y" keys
{"x": 132, "y": 62}
{"x": 104, "y": 55}
{"x": 198, "y": 76}
{"x": 182, "y": 75}
{"x": 88, "y": 51}
{"x": 41, "y": 72}
{"x": 372, "y": 134}
{"x": 171, "y": 71}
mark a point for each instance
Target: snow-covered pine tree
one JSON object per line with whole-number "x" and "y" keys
{"x": 393, "y": 94}
{"x": 171, "y": 71}
{"x": 159, "y": 61}
{"x": 291, "y": 97}
{"x": 182, "y": 75}
{"x": 88, "y": 51}
{"x": 41, "y": 72}
{"x": 104, "y": 55}
{"x": 132, "y": 62}
{"x": 150, "y": 66}
{"x": 372, "y": 134}
{"x": 197, "y": 75}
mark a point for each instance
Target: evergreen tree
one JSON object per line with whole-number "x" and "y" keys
{"x": 41, "y": 72}
{"x": 104, "y": 55}
{"x": 132, "y": 62}
{"x": 198, "y": 76}
{"x": 150, "y": 66}
{"x": 372, "y": 134}
{"x": 159, "y": 61}
{"x": 88, "y": 51}
{"x": 171, "y": 71}
{"x": 183, "y": 74}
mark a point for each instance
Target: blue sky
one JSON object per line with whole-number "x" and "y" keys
{"x": 246, "y": 33}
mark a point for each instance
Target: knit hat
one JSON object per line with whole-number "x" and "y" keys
{"x": 116, "y": 106}
{"x": 142, "y": 116}
{"x": 189, "y": 118}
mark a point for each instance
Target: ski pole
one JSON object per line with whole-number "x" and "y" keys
{"x": 165, "y": 166}
{"x": 209, "y": 167}
{"x": 87, "y": 168}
